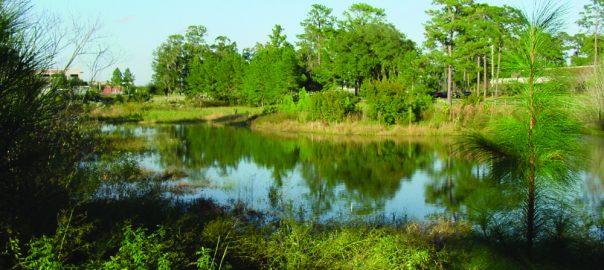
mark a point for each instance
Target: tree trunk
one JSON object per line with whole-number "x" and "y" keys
{"x": 596, "y": 45}
{"x": 485, "y": 76}
{"x": 319, "y": 51}
{"x": 492, "y": 67}
{"x": 450, "y": 79}
{"x": 478, "y": 76}
{"x": 465, "y": 78}
{"x": 530, "y": 211}
{"x": 498, "y": 71}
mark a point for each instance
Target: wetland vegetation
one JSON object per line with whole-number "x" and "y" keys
{"x": 333, "y": 153}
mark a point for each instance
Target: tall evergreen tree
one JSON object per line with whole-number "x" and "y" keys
{"x": 535, "y": 146}
{"x": 128, "y": 81}
{"x": 444, "y": 30}
{"x": 316, "y": 42}
{"x": 273, "y": 71}
{"x": 170, "y": 65}
{"x": 117, "y": 77}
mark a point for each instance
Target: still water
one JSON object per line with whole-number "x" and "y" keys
{"x": 339, "y": 177}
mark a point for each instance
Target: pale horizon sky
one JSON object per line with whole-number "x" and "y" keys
{"x": 135, "y": 28}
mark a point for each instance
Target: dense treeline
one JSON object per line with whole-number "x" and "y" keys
{"x": 467, "y": 49}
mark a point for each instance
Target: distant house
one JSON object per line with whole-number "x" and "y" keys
{"x": 69, "y": 73}
{"x": 112, "y": 90}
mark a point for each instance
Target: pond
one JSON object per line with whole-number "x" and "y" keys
{"x": 340, "y": 178}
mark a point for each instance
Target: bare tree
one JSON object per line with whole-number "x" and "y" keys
{"x": 102, "y": 58}
{"x": 80, "y": 40}
{"x": 77, "y": 40}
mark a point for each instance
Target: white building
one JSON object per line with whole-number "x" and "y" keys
{"x": 69, "y": 73}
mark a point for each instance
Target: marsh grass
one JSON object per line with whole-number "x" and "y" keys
{"x": 166, "y": 112}
{"x": 436, "y": 122}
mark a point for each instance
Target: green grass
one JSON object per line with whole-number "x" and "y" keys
{"x": 164, "y": 110}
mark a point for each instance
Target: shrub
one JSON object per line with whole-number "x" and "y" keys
{"x": 139, "y": 250}
{"x": 288, "y": 105}
{"x": 304, "y": 101}
{"x": 332, "y": 105}
{"x": 512, "y": 88}
{"x": 390, "y": 103}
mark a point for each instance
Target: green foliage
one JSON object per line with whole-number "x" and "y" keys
{"x": 170, "y": 65}
{"x": 304, "y": 101}
{"x": 140, "y": 251}
{"x": 204, "y": 260}
{"x": 536, "y": 146}
{"x": 140, "y": 94}
{"x": 293, "y": 245}
{"x": 117, "y": 77}
{"x": 272, "y": 72}
{"x": 390, "y": 103}
{"x": 53, "y": 252}
{"x": 360, "y": 14}
{"x": 128, "y": 82}
{"x": 332, "y": 106}
{"x": 370, "y": 51}
{"x": 316, "y": 42}
{"x": 512, "y": 88}
{"x": 219, "y": 76}
{"x": 288, "y": 105}
{"x": 41, "y": 134}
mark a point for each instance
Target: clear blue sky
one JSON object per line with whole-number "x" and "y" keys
{"x": 136, "y": 27}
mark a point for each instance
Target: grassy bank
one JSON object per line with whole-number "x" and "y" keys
{"x": 438, "y": 121}
{"x": 287, "y": 124}
{"x": 170, "y": 110}
{"x": 175, "y": 109}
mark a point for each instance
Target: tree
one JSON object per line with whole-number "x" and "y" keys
{"x": 538, "y": 143}
{"x": 41, "y": 140}
{"x": 360, "y": 14}
{"x": 128, "y": 81}
{"x": 319, "y": 31}
{"x": 219, "y": 75}
{"x": 591, "y": 20}
{"x": 443, "y": 30}
{"x": 117, "y": 77}
{"x": 273, "y": 71}
{"x": 372, "y": 52}
{"x": 170, "y": 65}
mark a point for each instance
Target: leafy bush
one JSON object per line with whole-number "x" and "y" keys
{"x": 140, "y": 251}
{"x": 304, "y": 101}
{"x": 512, "y": 88}
{"x": 288, "y": 105}
{"x": 390, "y": 103}
{"x": 332, "y": 105}
{"x": 140, "y": 95}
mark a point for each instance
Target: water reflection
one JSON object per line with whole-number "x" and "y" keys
{"x": 332, "y": 178}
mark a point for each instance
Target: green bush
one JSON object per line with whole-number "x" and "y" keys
{"x": 288, "y": 105}
{"x": 390, "y": 103}
{"x": 140, "y": 95}
{"x": 511, "y": 89}
{"x": 138, "y": 250}
{"x": 332, "y": 105}
{"x": 304, "y": 101}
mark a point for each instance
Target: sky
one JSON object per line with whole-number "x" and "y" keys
{"x": 133, "y": 29}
